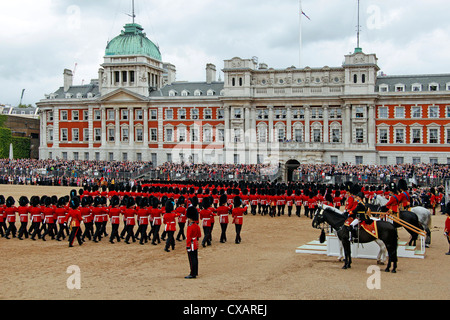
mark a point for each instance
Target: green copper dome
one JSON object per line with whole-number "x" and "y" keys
{"x": 133, "y": 41}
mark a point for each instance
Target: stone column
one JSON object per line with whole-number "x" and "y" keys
{"x": 145, "y": 111}
{"x": 271, "y": 131}
{"x": 131, "y": 126}
{"x": 289, "y": 123}
{"x": 56, "y": 129}
{"x": 307, "y": 124}
{"x": 346, "y": 126}
{"x": 117, "y": 124}
{"x": 371, "y": 136}
{"x": 326, "y": 128}
{"x": 103, "y": 109}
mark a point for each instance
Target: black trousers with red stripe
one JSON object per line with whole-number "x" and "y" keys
{"x": 193, "y": 262}
{"x": 75, "y": 233}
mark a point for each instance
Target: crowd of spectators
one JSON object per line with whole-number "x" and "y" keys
{"x": 76, "y": 173}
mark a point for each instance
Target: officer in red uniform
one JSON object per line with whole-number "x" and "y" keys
{"x": 193, "y": 234}
{"x": 171, "y": 225}
{"x": 129, "y": 214}
{"x": 206, "y": 215}
{"x": 155, "y": 217}
{"x": 223, "y": 212}
{"x": 238, "y": 218}
{"x": 23, "y": 211}
{"x": 36, "y": 218}
{"x": 394, "y": 201}
{"x": 74, "y": 218}
{"x": 114, "y": 215}
{"x": 181, "y": 211}
{"x": 97, "y": 212}
{"x": 404, "y": 198}
{"x": 351, "y": 203}
{"x": 61, "y": 218}
{"x": 10, "y": 212}
{"x": 3, "y": 226}
{"x": 142, "y": 215}
{"x": 88, "y": 217}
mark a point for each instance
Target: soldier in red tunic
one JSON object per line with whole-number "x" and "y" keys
{"x": 171, "y": 225}
{"x": 61, "y": 218}
{"x": 10, "y": 212}
{"x": 74, "y": 218}
{"x": 23, "y": 217}
{"x": 181, "y": 211}
{"x": 114, "y": 215}
{"x": 223, "y": 211}
{"x": 36, "y": 218}
{"x": 155, "y": 216}
{"x": 129, "y": 214}
{"x": 193, "y": 234}
{"x": 142, "y": 216}
{"x": 447, "y": 227}
{"x": 238, "y": 218}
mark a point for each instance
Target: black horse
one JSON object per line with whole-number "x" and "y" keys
{"x": 407, "y": 216}
{"x": 386, "y": 233}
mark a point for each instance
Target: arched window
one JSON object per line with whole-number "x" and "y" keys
{"x": 355, "y": 78}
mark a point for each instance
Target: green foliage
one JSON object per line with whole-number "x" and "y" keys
{"x": 5, "y": 141}
{"x": 21, "y": 147}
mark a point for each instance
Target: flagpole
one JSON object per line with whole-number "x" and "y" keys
{"x": 300, "y": 33}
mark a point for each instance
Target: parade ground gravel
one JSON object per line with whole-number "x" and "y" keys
{"x": 264, "y": 266}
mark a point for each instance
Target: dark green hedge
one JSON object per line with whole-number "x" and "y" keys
{"x": 21, "y": 145}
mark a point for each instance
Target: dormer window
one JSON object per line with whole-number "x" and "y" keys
{"x": 172, "y": 93}
{"x": 399, "y": 88}
{"x": 198, "y": 93}
{"x": 384, "y": 88}
{"x": 416, "y": 87}
{"x": 433, "y": 87}
{"x": 184, "y": 93}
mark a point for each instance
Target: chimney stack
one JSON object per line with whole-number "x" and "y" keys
{"x": 68, "y": 79}
{"x": 210, "y": 73}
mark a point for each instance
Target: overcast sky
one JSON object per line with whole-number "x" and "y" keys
{"x": 39, "y": 39}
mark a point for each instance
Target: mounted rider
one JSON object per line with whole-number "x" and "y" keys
{"x": 403, "y": 195}
{"x": 354, "y": 205}
{"x": 394, "y": 201}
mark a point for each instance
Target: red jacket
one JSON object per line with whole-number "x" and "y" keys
{"x": 170, "y": 221}
{"x": 114, "y": 214}
{"x": 181, "y": 211}
{"x": 76, "y": 217}
{"x": 206, "y": 215}
{"x": 238, "y": 215}
{"x": 23, "y": 213}
{"x": 193, "y": 233}
{"x": 222, "y": 212}
{"x": 142, "y": 215}
{"x": 61, "y": 215}
{"x": 11, "y": 214}
{"x": 129, "y": 215}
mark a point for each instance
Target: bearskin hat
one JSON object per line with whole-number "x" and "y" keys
{"x": 169, "y": 206}
{"x": 10, "y": 201}
{"x": 35, "y": 201}
{"x": 181, "y": 200}
{"x": 23, "y": 201}
{"x": 115, "y": 200}
{"x": 192, "y": 213}
{"x": 2, "y": 200}
{"x": 402, "y": 185}
{"x": 155, "y": 202}
{"x": 130, "y": 202}
{"x": 205, "y": 203}
{"x": 74, "y": 203}
{"x": 48, "y": 201}
{"x": 355, "y": 189}
{"x": 194, "y": 201}
{"x": 73, "y": 193}
{"x": 62, "y": 201}
{"x": 223, "y": 199}
{"x": 237, "y": 202}
{"x": 84, "y": 201}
